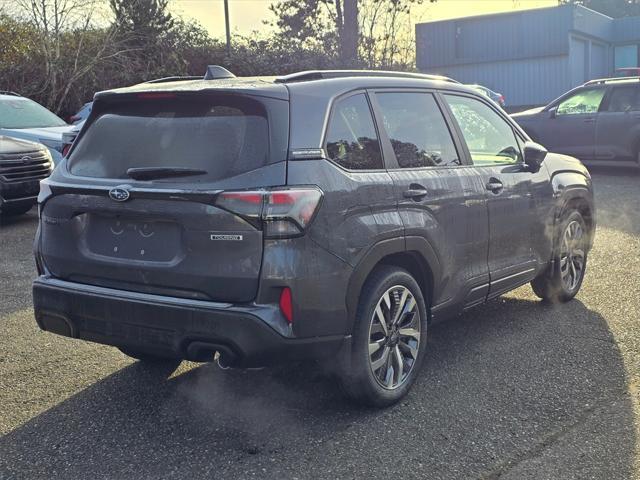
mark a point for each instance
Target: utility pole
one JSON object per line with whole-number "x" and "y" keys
{"x": 226, "y": 24}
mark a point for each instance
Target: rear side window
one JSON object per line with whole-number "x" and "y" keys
{"x": 624, "y": 99}
{"x": 352, "y": 141}
{"x": 417, "y": 130}
{"x": 222, "y": 136}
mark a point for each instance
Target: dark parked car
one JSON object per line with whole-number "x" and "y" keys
{"x": 598, "y": 122}
{"x": 328, "y": 214}
{"x": 22, "y": 165}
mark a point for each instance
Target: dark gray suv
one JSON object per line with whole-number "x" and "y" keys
{"x": 598, "y": 122}
{"x": 321, "y": 215}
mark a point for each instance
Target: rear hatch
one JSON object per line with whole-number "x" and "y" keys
{"x": 134, "y": 206}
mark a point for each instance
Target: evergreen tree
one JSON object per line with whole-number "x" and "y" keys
{"x": 142, "y": 20}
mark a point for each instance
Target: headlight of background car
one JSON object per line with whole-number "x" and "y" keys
{"x": 47, "y": 155}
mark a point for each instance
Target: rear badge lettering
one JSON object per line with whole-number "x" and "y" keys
{"x": 232, "y": 238}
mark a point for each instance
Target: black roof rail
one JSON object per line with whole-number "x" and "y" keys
{"x": 9, "y": 92}
{"x": 216, "y": 72}
{"x": 601, "y": 81}
{"x": 172, "y": 79}
{"x": 324, "y": 74}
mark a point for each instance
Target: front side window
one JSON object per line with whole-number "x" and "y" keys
{"x": 624, "y": 99}
{"x": 489, "y": 137}
{"x": 352, "y": 141}
{"x": 585, "y": 101}
{"x": 417, "y": 130}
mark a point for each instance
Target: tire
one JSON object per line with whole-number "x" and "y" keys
{"x": 146, "y": 357}
{"x": 15, "y": 211}
{"x": 562, "y": 280}
{"x": 373, "y": 379}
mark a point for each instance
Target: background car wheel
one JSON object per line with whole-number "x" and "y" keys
{"x": 562, "y": 281}
{"x": 389, "y": 339}
{"x": 147, "y": 357}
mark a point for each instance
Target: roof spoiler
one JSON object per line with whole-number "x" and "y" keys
{"x": 214, "y": 72}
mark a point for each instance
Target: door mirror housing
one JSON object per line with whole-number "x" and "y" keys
{"x": 534, "y": 155}
{"x": 553, "y": 112}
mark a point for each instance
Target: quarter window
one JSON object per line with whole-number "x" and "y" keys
{"x": 489, "y": 137}
{"x": 585, "y": 101}
{"x": 417, "y": 131}
{"x": 352, "y": 141}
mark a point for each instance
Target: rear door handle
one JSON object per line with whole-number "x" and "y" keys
{"x": 494, "y": 185}
{"x": 415, "y": 192}
{"x": 589, "y": 120}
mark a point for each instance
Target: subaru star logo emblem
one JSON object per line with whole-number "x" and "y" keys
{"x": 26, "y": 159}
{"x": 119, "y": 194}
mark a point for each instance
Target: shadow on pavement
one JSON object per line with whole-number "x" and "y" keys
{"x": 16, "y": 220}
{"x": 503, "y": 388}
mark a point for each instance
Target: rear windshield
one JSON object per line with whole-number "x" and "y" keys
{"x": 24, "y": 113}
{"x": 221, "y": 136}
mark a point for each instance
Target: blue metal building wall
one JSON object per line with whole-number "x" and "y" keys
{"x": 522, "y": 82}
{"x": 626, "y": 29}
{"x": 530, "y": 56}
{"x": 510, "y": 36}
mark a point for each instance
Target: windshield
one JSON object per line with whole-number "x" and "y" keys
{"x": 21, "y": 112}
{"x": 223, "y": 137}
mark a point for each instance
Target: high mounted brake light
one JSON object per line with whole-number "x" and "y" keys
{"x": 284, "y": 212}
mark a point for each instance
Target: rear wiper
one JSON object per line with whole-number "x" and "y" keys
{"x": 151, "y": 173}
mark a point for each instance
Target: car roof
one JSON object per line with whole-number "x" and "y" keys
{"x": 324, "y": 82}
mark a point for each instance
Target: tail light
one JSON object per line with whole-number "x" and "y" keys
{"x": 284, "y": 213}
{"x": 286, "y": 304}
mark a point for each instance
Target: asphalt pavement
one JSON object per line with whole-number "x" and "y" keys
{"x": 514, "y": 389}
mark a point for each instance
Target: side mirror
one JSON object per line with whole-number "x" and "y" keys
{"x": 534, "y": 155}
{"x": 553, "y": 112}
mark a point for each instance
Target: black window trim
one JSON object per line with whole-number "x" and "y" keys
{"x": 515, "y": 128}
{"x": 327, "y": 124}
{"x": 392, "y": 162}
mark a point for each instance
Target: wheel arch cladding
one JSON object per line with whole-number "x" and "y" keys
{"x": 574, "y": 191}
{"x": 415, "y": 255}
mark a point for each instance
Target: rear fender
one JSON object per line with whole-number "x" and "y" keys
{"x": 375, "y": 255}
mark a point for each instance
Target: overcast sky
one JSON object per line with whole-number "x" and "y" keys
{"x": 248, "y": 15}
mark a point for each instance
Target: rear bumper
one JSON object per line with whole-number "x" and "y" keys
{"x": 189, "y": 329}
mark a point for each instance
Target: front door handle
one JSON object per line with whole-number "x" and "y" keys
{"x": 589, "y": 120}
{"x": 416, "y": 192}
{"x": 494, "y": 185}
